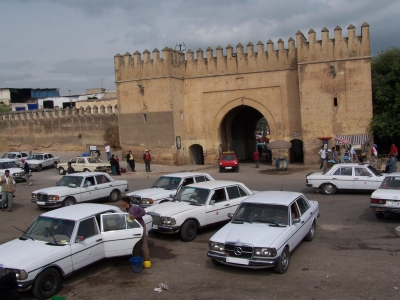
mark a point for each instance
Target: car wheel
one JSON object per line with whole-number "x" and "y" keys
{"x": 61, "y": 171}
{"x": 216, "y": 262}
{"x": 328, "y": 189}
{"x": 46, "y": 284}
{"x": 39, "y": 168}
{"x": 114, "y": 196}
{"x": 188, "y": 231}
{"x": 55, "y": 165}
{"x": 68, "y": 202}
{"x": 310, "y": 235}
{"x": 380, "y": 215}
{"x": 283, "y": 262}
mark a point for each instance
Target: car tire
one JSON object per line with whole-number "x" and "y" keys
{"x": 329, "y": 189}
{"x": 188, "y": 231}
{"x": 283, "y": 263}
{"x": 68, "y": 202}
{"x": 61, "y": 171}
{"x": 380, "y": 215}
{"x": 114, "y": 196}
{"x": 86, "y": 170}
{"x": 46, "y": 284}
{"x": 55, "y": 165}
{"x": 310, "y": 235}
{"x": 39, "y": 168}
{"x": 216, "y": 262}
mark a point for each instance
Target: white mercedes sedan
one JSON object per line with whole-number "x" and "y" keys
{"x": 265, "y": 229}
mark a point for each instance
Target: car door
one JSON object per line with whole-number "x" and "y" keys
{"x": 104, "y": 185}
{"x": 295, "y": 227}
{"x": 79, "y": 164}
{"x": 343, "y": 177}
{"x": 120, "y": 234}
{"x": 89, "y": 190}
{"x": 305, "y": 217}
{"x": 364, "y": 179}
{"x": 45, "y": 160}
{"x": 218, "y": 207}
{"x": 87, "y": 247}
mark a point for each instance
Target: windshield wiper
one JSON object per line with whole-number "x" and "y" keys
{"x": 194, "y": 203}
{"x": 24, "y": 233}
{"x": 55, "y": 242}
{"x": 241, "y": 221}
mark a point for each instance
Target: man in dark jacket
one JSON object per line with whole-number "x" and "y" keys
{"x": 27, "y": 173}
{"x": 130, "y": 160}
{"x": 147, "y": 160}
{"x": 9, "y": 287}
{"x": 113, "y": 164}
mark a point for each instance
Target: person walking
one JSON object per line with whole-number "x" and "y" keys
{"x": 322, "y": 155}
{"x": 27, "y": 173}
{"x": 70, "y": 169}
{"x": 117, "y": 165}
{"x": 108, "y": 151}
{"x": 131, "y": 161}
{"x": 9, "y": 187}
{"x": 147, "y": 160}
{"x": 256, "y": 158}
{"x": 374, "y": 155}
{"x": 136, "y": 212}
{"x": 113, "y": 164}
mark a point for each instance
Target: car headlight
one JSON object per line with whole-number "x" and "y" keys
{"x": 216, "y": 246}
{"x": 53, "y": 197}
{"x": 168, "y": 221}
{"x": 15, "y": 174}
{"x": 20, "y": 274}
{"x": 147, "y": 201}
{"x": 270, "y": 252}
{"x": 34, "y": 196}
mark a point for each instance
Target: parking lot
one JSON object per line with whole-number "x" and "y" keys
{"x": 353, "y": 255}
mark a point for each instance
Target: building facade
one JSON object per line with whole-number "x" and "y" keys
{"x": 186, "y": 109}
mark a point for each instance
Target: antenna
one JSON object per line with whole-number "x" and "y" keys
{"x": 282, "y": 185}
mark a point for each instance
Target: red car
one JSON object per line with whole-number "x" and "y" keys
{"x": 228, "y": 161}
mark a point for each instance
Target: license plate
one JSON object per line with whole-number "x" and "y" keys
{"x": 395, "y": 203}
{"x": 40, "y": 203}
{"x": 155, "y": 226}
{"x": 228, "y": 168}
{"x": 239, "y": 261}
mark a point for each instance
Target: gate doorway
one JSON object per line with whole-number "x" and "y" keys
{"x": 196, "y": 155}
{"x": 296, "y": 152}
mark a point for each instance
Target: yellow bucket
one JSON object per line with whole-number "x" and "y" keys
{"x": 147, "y": 264}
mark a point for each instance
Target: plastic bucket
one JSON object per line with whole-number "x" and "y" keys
{"x": 136, "y": 264}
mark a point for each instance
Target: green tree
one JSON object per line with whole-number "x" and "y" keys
{"x": 385, "y": 69}
{"x": 4, "y": 108}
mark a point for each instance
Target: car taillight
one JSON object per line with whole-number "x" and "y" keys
{"x": 378, "y": 201}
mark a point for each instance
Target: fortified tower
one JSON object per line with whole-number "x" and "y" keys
{"x": 189, "y": 109}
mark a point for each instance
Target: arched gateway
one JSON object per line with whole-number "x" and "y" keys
{"x": 186, "y": 108}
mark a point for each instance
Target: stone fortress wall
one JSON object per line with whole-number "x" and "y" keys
{"x": 319, "y": 88}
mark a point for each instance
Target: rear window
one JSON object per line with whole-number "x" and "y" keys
{"x": 228, "y": 157}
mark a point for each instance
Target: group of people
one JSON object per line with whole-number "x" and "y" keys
{"x": 115, "y": 163}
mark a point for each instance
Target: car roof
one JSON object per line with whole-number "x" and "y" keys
{"x": 79, "y": 211}
{"x": 185, "y": 174}
{"x": 40, "y": 153}
{"x": 80, "y": 174}
{"x": 214, "y": 184}
{"x": 274, "y": 197}
{"x": 351, "y": 165}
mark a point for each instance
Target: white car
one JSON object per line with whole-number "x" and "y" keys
{"x": 386, "y": 199}
{"x": 80, "y": 187}
{"x": 16, "y": 172}
{"x": 345, "y": 177}
{"x": 265, "y": 229}
{"x": 198, "y": 205}
{"x": 14, "y": 157}
{"x": 39, "y": 161}
{"x": 85, "y": 164}
{"x": 61, "y": 241}
{"x": 165, "y": 186}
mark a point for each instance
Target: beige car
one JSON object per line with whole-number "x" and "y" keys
{"x": 85, "y": 164}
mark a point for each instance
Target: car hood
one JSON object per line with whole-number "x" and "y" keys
{"x": 168, "y": 209}
{"x": 13, "y": 170}
{"x": 17, "y": 254}
{"x": 256, "y": 234}
{"x": 386, "y": 194}
{"x": 154, "y": 193}
{"x": 8, "y": 159}
{"x": 317, "y": 174}
{"x": 55, "y": 189}
{"x": 34, "y": 161}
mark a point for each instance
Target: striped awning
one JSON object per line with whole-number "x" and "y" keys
{"x": 358, "y": 139}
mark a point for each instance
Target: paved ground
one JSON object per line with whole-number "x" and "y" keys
{"x": 353, "y": 255}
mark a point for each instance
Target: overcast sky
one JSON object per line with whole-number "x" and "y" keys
{"x": 70, "y": 44}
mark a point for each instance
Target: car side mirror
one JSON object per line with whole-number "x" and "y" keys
{"x": 212, "y": 202}
{"x": 79, "y": 239}
{"x": 172, "y": 196}
{"x": 296, "y": 220}
{"x": 230, "y": 215}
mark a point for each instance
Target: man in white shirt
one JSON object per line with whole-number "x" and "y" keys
{"x": 374, "y": 155}
{"x": 8, "y": 189}
{"x": 108, "y": 151}
{"x": 322, "y": 155}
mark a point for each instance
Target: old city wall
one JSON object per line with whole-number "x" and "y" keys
{"x": 55, "y": 130}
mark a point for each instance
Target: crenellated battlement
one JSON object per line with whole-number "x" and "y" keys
{"x": 244, "y": 59}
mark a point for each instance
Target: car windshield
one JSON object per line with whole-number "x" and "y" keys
{"x": 228, "y": 157}
{"x": 36, "y": 156}
{"x": 7, "y": 165}
{"x": 391, "y": 183}
{"x": 262, "y": 213}
{"x": 192, "y": 195}
{"x": 50, "y": 229}
{"x": 71, "y": 181}
{"x": 167, "y": 182}
{"x": 9, "y": 155}
{"x": 94, "y": 160}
